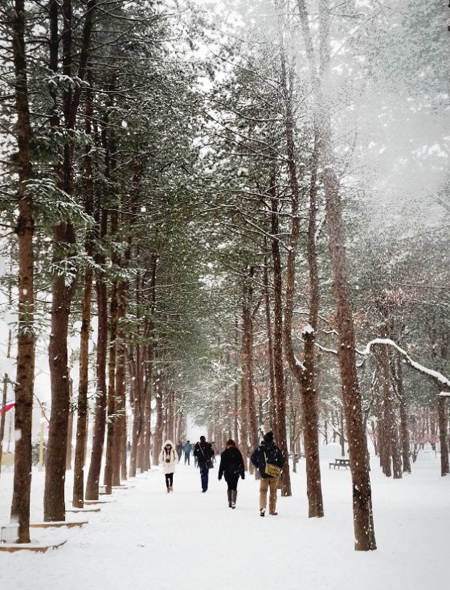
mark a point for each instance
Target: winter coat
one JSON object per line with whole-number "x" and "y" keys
{"x": 231, "y": 463}
{"x": 203, "y": 451}
{"x": 168, "y": 461}
{"x": 187, "y": 448}
{"x": 273, "y": 454}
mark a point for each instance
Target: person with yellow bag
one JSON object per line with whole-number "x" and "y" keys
{"x": 269, "y": 459}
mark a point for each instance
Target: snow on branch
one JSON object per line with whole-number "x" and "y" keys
{"x": 299, "y": 364}
{"x": 435, "y": 375}
{"x": 329, "y": 350}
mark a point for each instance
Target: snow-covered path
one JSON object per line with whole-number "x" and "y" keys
{"x": 148, "y": 539}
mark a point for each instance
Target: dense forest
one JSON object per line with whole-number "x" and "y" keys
{"x": 236, "y": 214}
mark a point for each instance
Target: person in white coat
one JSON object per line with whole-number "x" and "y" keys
{"x": 168, "y": 458}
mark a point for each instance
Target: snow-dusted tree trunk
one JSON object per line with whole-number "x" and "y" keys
{"x": 82, "y": 406}
{"x": 248, "y": 351}
{"x": 443, "y": 434}
{"x": 64, "y": 238}
{"x": 280, "y": 398}
{"x": 20, "y": 509}
{"x": 244, "y": 380}
{"x": 269, "y": 330}
{"x": 120, "y": 430}
{"x": 112, "y": 419}
{"x": 404, "y": 425}
{"x": 362, "y": 492}
{"x": 392, "y": 449}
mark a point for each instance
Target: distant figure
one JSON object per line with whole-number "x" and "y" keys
{"x": 179, "y": 450}
{"x": 214, "y": 448}
{"x": 231, "y": 466}
{"x": 187, "y": 453}
{"x": 168, "y": 458}
{"x": 204, "y": 453}
{"x": 269, "y": 460}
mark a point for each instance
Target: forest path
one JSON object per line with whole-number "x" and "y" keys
{"x": 147, "y": 539}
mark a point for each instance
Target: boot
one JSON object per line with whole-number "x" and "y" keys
{"x": 233, "y": 498}
{"x": 229, "y": 498}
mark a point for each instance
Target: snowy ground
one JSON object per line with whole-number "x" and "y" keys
{"x": 146, "y": 539}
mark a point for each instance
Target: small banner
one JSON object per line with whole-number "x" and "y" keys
{"x": 7, "y": 407}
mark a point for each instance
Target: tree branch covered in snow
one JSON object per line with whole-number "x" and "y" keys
{"x": 436, "y": 376}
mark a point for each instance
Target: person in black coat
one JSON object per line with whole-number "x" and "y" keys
{"x": 232, "y": 467}
{"x": 204, "y": 453}
{"x": 267, "y": 452}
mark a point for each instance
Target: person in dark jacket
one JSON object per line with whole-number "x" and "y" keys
{"x": 179, "y": 450}
{"x": 267, "y": 452}
{"x": 187, "y": 453}
{"x": 232, "y": 467}
{"x": 204, "y": 453}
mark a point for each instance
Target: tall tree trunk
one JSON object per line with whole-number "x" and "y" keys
{"x": 362, "y": 492}
{"x": 78, "y": 478}
{"x": 272, "y": 419}
{"x": 120, "y": 430}
{"x": 280, "y": 411}
{"x": 236, "y": 387}
{"x": 157, "y": 441}
{"x": 404, "y": 425}
{"x": 112, "y": 420}
{"x": 62, "y": 292}
{"x": 55, "y": 472}
{"x": 98, "y": 440}
{"x": 3, "y": 416}
{"x": 248, "y": 330}
{"x": 69, "y": 429}
{"x": 20, "y": 508}
{"x": 134, "y": 402}
{"x": 82, "y": 409}
{"x": 303, "y": 373}
{"x": 244, "y": 385}
{"x": 390, "y": 422}
{"x": 443, "y": 434}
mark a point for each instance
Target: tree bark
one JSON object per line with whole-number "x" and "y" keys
{"x": 244, "y": 384}
{"x": 280, "y": 411}
{"x": 120, "y": 430}
{"x": 20, "y": 508}
{"x": 404, "y": 426}
{"x": 62, "y": 290}
{"x": 272, "y": 418}
{"x": 389, "y": 418}
{"x": 112, "y": 419}
{"x": 98, "y": 439}
{"x": 82, "y": 409}
{"x": 362, "y": 492}
{"x": 248, "y": 352}
{"x": 443, "y": 434}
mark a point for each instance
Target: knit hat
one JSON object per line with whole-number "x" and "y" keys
{"x": 268, "y": 437}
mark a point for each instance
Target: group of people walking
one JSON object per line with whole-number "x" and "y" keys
{"x": 267, "y": 458}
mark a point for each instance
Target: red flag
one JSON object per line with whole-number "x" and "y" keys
{"x": 7, "y": 407}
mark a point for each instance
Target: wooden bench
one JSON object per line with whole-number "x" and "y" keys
{"x": 340, "y": 463}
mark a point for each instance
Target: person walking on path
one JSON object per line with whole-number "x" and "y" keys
{"x": 269, "y": 460}
{"x": 204, "y": 453}
{"x": 187, "y": 453}
{"x": 168, "y": 458}
{"x": 232, "y": 467}
{"x": 179, "y": 450}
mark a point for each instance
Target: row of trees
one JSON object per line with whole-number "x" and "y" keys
{"x": 191, "y": 211}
